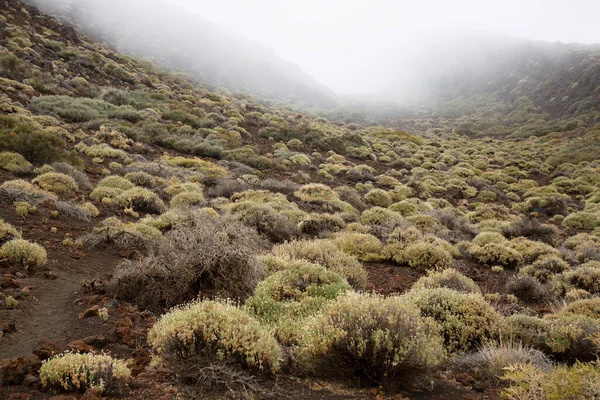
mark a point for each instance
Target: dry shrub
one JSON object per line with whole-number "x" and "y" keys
{"x": 531, "y": 229}
{"x": 80, "y": 178}
{"x": 526, "y": 288}
{"x": 202, "y": 254}
{"x": 382, "y": 340}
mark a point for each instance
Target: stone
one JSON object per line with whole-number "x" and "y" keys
{"x": 90, "y": 312}
{"x": 91, "y": 394}
{"x": 14, "y": 370}
{"x": 79, "y": 346}
{"x": 20, "y": 275}
{"x": 50, "y": 275}
{"x": 46, "y": 349}
{"x": 96, "y": 341}
{"x": 30, "y": 380}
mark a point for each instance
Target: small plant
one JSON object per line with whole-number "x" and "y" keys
{"x": 77, "y": 372}
{"x": 465, "y": 318}
{"x": 11, "y": 303}
{"x": 24, "y": 208}
{"x": 23, "y": 252}
{"x": 14, "y": 162}
{"x": 363, "y": 246}
{"x": 424, "y": 256}
{"x": 449, "y": 278}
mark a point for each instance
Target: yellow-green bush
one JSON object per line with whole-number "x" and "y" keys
{"x": 582, "y": 220}
{"x": 378, "y": 197}
{"x": 215, "y": 331}
{"x": 465, "y": 318}
{"x": 544, "y": 267}
{"x": 290, "y": 295}
{"x": 527, "y": 382}
{"x": 529, "y": 330}
{"x": 117, "y": 182}
{"x": 73, "y": 372}
{"x": 57, "y": 183}
{"x": 13, "y": 162}
{"x": 318, "y": 223}
{"x": 142, "y": 200}
{"x": 363, "y": 246}
{"x": 329, "y": 255}
{"x": 496, "y": 254}
{"x": 382, "y": 339}
{"x": 8, "y": 232}
{"x": 586, "y": 277}
{"x": 187, "y": 199}
{"x": 569, "y": 336}
{"x": 20, "y": 251}
{"x": 422, "y": 256}
{"x": 448, "y": 278}
{"x": 587, "y": 307}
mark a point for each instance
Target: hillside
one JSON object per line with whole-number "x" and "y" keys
{"x": 181, "y": 242}
{"x": 176, "y": 39}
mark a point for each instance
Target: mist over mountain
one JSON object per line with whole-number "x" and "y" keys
{"x": 176, "y": 38}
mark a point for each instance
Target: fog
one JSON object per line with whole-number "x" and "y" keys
{"x": 386, "y": 48}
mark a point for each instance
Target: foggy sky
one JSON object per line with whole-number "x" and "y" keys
{"x": 345, "y": 44}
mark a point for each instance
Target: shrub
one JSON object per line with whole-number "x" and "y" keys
{"x": 496, "y": 254}
{"x": 329, "y": 255}
{"x": 381, "y": 220}
{"x": 363, "y": 246}
{"x": 266, "y": 220}
{"x": 80, "y": 178}
{"x": 448, "y": 278}
{"x": 490, "y": 362}
{"x": 20, "y": 251}
{"x": 113, "y": 233}
{"x": 526, "y": 288}
{"x": 587, "y": 307}
{"x": 582, "y": 220}
{"x": 290, "y": 295}
{"x": 382, "y": 339}
{"x": 529, "y": 330}
{"x": 570, "y": 336}
{"x": 465, "y": 318}
{"x": 378, "y": 197}
{"x": 57, "y": 183}
{"x": 544, "y": 267}
{"x": 583, "y": 277}
{"x": 13, "y": 162}
{"x": 141, "y": 200}
{"x": 141, "y": 178}
{"x": 214, "y": 344}
{"x": 200, "y": 254}
{"x": 528, "y": 382}
{"x": 117, "y": 182}
{"x": 8, "y": 232}
{"x": 187, "y": 199}
{"x": 319, "y": 223}
{"x": 423, "y": 256}
{"x": 72, "y": 372}
{"x": 24, "y": 208}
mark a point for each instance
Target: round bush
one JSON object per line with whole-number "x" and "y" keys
{"x": 57, "y": 183}
{"x": 529, "y": 330}
{"x": 588, "y": 307}
{"x": 141, "y": 200}
{"x": 496, "y": 254}
{"x": 117, "y": 182}
{"x": 382, "y": 339}
{"x": 423, "y": 257}
{"x": 378, "y": 197}
{"x": 364, "y": 246}
{"x": 286, "y": 297}
{"x": 328, "y": 254}
{"x": 448, "y": 278}
{"x": 212, "y": 332}
{"x": 73, "y": 372}
{"x": 20, "y": 251}
{"x": 465, "y": 318}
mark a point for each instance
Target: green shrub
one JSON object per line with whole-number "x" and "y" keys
{"x": 20, "y": 251}
{"x": 525, "y": 288}
{"x": 72, "y": 372}
{"x": 187, "y": 199}
{"x": 583, "y": 277}
{"x": 423, "y": 256}
{"x": 529, "y": 330}
{"x": 328, "y": 254}
{"x": 570, "y": 336}
{"x": 448, "y": 278}
{"x": 80, "y": 109}
{"x": 544, "y": 267}
{"x": 378, "y": 197}
{"x": 290, "y": 295}
{"x": 582, "y": 220}
{"x": 8, "y": 232}
{"x": 274, "y": 225}
{"x": 141, "y": 200}
{"x": 319, "y": 223}
{"x": 363, "y": 246}
{"x": 587, "y": 307}
{"x": 117, "y": 182}
{"x": 124, "y": 236}
{"x": 13, "y": 162}
{"x": 213, "y": 332}
{"x": 528, "y": 382}
{"x": 465, "y": 318}
{"x": 382, "y": 339}
{"x": 57, "y": 183}
{"x": 496, "y": 254}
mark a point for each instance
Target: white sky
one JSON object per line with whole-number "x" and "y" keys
{"x": 340, "y": 41}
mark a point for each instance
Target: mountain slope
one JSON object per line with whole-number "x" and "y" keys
{"x": 177, "y": 39}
